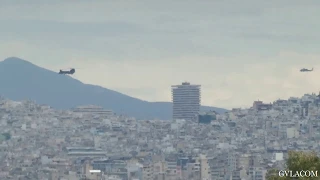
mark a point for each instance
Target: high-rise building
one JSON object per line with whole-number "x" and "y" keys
{"x": 186, "y": 101}
{"x": 204, "y": 168}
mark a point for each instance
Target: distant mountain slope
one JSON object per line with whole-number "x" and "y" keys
{"x": 20, "y": 79}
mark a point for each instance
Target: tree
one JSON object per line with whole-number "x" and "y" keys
{"x": 298, "y": 161}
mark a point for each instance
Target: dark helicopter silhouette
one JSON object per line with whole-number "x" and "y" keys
{"x": 306, "y": 70}
{"x": 71, "y": 71}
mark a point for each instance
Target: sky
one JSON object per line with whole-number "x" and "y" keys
{"x": 238, "y": 51}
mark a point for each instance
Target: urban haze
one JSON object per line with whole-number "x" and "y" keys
{"x": 156, "y": 90}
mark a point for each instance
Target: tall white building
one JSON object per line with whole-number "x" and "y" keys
{"x": 204, "y": 168}
{"x": 186, "y": 101}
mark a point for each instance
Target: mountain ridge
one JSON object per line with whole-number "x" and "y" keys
{"x": 21, "y": 79}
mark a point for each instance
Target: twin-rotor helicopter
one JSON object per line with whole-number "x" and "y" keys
{"x": 72, "y": 71}
{"x": 306, "y": 70}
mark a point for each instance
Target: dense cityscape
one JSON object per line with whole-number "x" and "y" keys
{"x": 159, "y": 90}
{"x": 88, "y": 142}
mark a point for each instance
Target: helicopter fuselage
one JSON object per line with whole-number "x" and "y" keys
{"x": 72, "y": 71}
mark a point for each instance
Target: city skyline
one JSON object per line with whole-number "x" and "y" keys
{"x": 238, "y": 54}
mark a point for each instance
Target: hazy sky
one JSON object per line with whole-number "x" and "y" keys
{"x": 238, "y": 50}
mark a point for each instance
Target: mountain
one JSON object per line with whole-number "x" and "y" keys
{"x": 20, "y": 80}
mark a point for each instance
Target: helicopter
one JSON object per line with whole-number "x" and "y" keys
{"x": 305, "y": 70}
{"x": 71, "y": 71}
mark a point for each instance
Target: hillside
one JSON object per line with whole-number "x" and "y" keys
{"x": 21, "y": 80}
